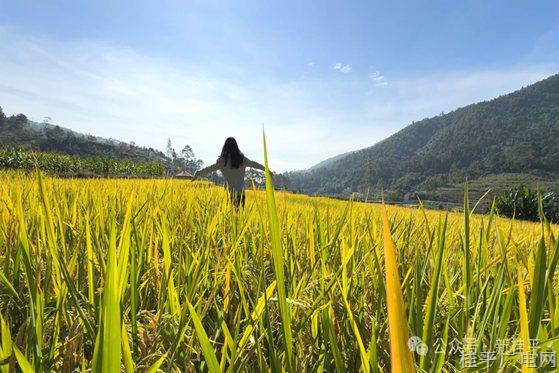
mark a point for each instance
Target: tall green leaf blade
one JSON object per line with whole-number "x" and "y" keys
{"x": 278, "y": 262}
{"x": 432, "y": 297}
{"x": 538, "y": 295}
{"x": 107, "y": 352}
{"x": 207, "y": 348}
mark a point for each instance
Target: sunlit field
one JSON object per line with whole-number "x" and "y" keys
{"x": 165, "y": 275}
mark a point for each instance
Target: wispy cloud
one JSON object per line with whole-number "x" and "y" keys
{"x": 378, "y": 79}
{"x": 416, "y": 97}
{"x": 376, "y": 76}
{"x": 310, "y": 64}
{"x": 342, "y": 68}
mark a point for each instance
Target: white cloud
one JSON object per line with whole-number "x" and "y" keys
{"x": 376, "y": 76}
{"x": 310, "y": 64}
{"x": 342, "y": 68}
{"x": 378, "y": 79}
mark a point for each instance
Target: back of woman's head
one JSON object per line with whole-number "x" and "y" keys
{"x": 231, "y": 153}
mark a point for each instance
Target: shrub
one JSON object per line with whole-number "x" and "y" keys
{"x": 523, "y": 203}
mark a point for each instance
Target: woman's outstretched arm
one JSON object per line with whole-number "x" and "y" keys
{"x": 253, "y": 164}
{"x": 207, "y": 170}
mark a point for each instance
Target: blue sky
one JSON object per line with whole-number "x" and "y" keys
{"x": 323, "y": 77}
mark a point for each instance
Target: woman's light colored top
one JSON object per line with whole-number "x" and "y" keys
{"x": 234, "y": 177}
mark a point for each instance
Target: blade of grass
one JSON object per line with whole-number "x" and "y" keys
{"x": 107, "y": 352}
{"x": 524, "y": 329}
{"x": 277, "y": 258}
{"x": 24, "y": 364}
{"x": 400, "y": 354}
{"x": 432, "y": 297}
{"x": 538, "y": 294}
{"x": 207, "y": 348}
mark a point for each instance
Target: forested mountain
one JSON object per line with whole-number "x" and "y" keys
{"x": 329, "y": 161}
{"x": 17, "y": 131}
{"x": 517, "y": 133}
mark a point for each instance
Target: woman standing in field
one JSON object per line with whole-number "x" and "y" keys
{"x": 232, "y": 163}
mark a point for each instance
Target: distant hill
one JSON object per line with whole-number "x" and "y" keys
{"x": 328, "y": 161}
{"x": 46, "y": 126}
{"x": 514, "y": 134}
{"x": 18, "y": 132}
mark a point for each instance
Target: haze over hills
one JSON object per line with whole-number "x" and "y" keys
{"x": 18, "y": 132}
{"x": 512, "y": 137}
{"x": 329, "y": 161}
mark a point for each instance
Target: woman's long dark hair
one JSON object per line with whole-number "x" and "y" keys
{"x": 230, "y": 152}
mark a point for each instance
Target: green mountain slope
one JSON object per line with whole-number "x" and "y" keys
{"x": 517, "y": 133}
{"x": 18, "y": 132}
{"x": 329, "y": 161}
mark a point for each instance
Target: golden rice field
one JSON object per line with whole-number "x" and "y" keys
{"x": 164, "y": 275}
